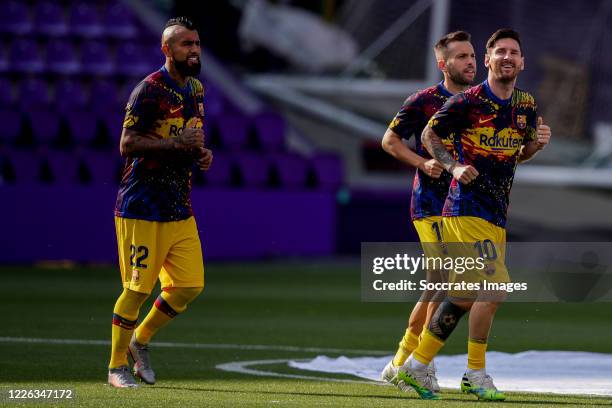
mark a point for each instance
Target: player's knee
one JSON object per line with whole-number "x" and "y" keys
{"x": 129, "y": 302}
{"x": 445, "y": 319}
{"x": 439, "y": 296}
{"x": 179, "y": 298}
{"x": 491, "y": 306}
{"x": 492, "y": 299}
{"x": 190, "y": 294}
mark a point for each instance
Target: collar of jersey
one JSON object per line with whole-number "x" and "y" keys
{"x": 173, "y": 83}
{"x": 443, "y": 89}
{"x": 493, "y": 97}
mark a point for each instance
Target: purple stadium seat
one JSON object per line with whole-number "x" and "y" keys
{"x": 124, "y": 93}
{"x": 254, "y": 168}
{"x": 131, "y": 61}
{"x": 45, "y": 124}
{"x": 270, "y": 129}
{"x": 5, "y": 66}
{"x": 103, "y": 167}
{"x": 6, "y": 93}
{"x": 62, "y": 58}
{"x": 214, "y": 101}
{"x": 11, "y": 120}
{"x": 69, "y": 95}
{"x": 82, "y": 124}
{"x": 26, "y": 166}
{"x": 328, "y": 169}
{"x": 220, "y": 172}
{"x": 96, "y": 58}
{"x": 64, "y": 168}
{"x": 14, "y": 18}
{"x": 49, "y": 19}
{"x": 84, "y": 20}
{"x": 119, "y": 22}
{"x": 6, "y": 170}
{"x": 113, "y": 120}
{"x": 26, "y": 57}
{"x": 33, "y": 92}
{"x": 292, "y": 169}
{"x": 234, "y": 130}
{"x": 154, "y": 57}
{"x": 103, "y": 96}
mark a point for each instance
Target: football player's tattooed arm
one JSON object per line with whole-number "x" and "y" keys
{"x": 435, "y": 147}
{"x": 392, "y": 144}
{"x": 137, "y": 144}
{"x": 462, "y": 173}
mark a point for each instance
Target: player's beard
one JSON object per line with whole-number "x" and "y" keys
{"x": 507, "y": 78}
{"x": 186, "y": 69}
{"x": 459, "y": 77}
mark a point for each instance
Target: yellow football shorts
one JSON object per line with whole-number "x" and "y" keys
{"x": 473, "y": 237}
{"x": 151, "y": 249}
{"x": 429, "y": 230}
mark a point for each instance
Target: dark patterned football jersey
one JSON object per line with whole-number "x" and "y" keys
{"x": 428, "y": 194}
{"x": 158, "y": 187}
{"x": 487, "y": 133}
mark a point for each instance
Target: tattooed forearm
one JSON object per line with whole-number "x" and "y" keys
{"x": 435, "y": 147}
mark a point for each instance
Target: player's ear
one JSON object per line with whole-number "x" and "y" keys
{"x": 522, "y": 66}
{"x": 166, "y": 49}
{"x": 442, "y": 65}
{"x": 486, "y": 59}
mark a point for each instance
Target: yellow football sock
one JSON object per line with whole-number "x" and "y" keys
{"x": 427, "y": 349}
{"x": 409, "y": 342}
{"x": 125, "y": 315}
{"x": 477, "y": 350}
{"x": 168, "y": 305}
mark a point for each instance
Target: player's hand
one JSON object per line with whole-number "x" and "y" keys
{"x": 464, "y": 173}
{"x": 543, "y": 134}
{"x": 432, "y": 168}
{"x": 190, "y": 139}
{"x": 205, "y": 159}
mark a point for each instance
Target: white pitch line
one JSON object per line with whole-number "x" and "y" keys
{"x": 242, "y": 368}
{"x": 219, "y": 346}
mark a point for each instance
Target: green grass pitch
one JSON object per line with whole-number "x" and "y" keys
{"x": 274, "y": 304}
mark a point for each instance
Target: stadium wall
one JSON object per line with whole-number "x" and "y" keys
{"x": 76, "y": 223}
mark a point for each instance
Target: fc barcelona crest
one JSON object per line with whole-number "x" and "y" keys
{"x": 521, "y": 121}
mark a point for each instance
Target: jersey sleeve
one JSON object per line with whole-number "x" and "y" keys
{"x": 142, "y": 109}
{"x": 452, "y": 117}
{"x": 532, "y": 125}
{"x": 410, "y": 119}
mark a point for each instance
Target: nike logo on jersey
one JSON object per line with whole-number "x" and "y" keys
{"x": 485, "y": 120}
{"x": 176, "y": 110}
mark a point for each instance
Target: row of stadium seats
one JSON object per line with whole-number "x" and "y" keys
{"x": 77, "y": 18}
{"x": 275, "y": 170}
{"x": 45, "y": 127}
{"x": 66, "y": 72}
{"x": 66, "y": 57}
{"x": 67, "y": 93}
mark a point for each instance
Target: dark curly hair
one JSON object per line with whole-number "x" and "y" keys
{"x": 180, "y": 21}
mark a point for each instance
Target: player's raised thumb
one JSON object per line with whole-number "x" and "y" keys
{"x": 540, "y": 121}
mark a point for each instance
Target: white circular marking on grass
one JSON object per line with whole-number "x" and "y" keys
{"x": 218, "y": 346}
{"x": 243, "y": 367}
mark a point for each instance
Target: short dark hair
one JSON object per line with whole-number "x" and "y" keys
{"x": 442, "y": 44}
{"x": 504, "y": 33}
{"x": 180, "y": 21}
